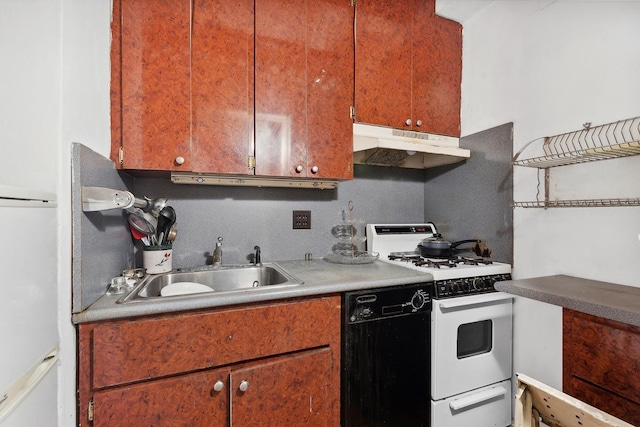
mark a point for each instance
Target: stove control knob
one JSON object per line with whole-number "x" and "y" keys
{"x": 454, "y": 287}
{"x": 465, "y": 285}
{"x": 418, "y": 300}
{"x": 478, "y": 284}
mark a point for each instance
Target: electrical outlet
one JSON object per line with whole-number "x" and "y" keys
{"x": 301, "y": 220}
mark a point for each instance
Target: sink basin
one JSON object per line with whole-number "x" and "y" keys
{"x": 224, "y": 279}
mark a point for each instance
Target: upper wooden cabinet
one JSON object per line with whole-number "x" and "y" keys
{"x": 408, "y": 67}
{"x": 304, "y": 88}
{"x": 150, "y": 84}
{"x": 222, "y": 86}
{"x": 233, "y": 87}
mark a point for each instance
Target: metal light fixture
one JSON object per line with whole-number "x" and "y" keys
{"x": 251, "y": 181}
{"x": 102, "y": 199}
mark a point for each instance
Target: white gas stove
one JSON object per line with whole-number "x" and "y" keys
{"x": 458, "y": 275}
{"x": 470, "y": 327}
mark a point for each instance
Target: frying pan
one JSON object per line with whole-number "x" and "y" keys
{"x": 437, "y": 247}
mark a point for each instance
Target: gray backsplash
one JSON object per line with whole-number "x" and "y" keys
{"x": 248, "y": 216}
{"x": 102, "y": 245}
{"x": 472, "y": 199}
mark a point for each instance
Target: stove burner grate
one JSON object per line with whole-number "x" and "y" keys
{"x": 450, "y": 262}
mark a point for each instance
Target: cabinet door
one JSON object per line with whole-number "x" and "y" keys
{"x": 155, "y": 85}
{"x": 291, "y": 391}
{"x": 437, "y": 72}
{"x": 303, "y": 88}
{"x": 383, "y": 62}
{"x": 190, "y": 400}
{"x": 222, "y": 85}
{"x": 330, "y": 89}
{"x": 280, "y": 86}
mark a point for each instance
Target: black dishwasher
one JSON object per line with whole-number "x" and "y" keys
{"x": 386, "y": 357}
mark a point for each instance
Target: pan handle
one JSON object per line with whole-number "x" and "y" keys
{"x": 458, "y": 243}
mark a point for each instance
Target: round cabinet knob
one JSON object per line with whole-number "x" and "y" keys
{"x": 179, "y": 160}
{"x": 244, "y": 385}
{"x": 299, "y": 168}
{"x": 408, "y": 122}
{"x": 419, "y": 123}
{"x": 314, "y": 169}
{"x": 218, "y": 386}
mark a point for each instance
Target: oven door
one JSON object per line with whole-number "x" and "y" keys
{"x": 471, "y": 343}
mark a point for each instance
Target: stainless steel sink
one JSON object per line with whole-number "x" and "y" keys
{"x": 224, "y": 279}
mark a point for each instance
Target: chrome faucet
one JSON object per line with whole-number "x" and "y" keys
{"x": 217, "y": 253}
{"x": 256, "y": 258}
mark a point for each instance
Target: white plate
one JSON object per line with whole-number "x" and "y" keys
{"x": 183, "y": 288}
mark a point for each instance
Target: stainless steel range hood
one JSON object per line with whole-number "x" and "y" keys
{"x": 382, "y": 146}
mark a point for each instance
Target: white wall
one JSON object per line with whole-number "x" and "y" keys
{"x": 549, "y": 67}
{"x": 29, "y": 93}
{"x": 84, "y": 104}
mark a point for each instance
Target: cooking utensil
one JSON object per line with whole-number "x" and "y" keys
{"x": 154, "y": 206}
{"x": 437, "y": 247}
{"x": 168, "y": 215}
{"x": 138, "y": 235}
{"x": 142, "y": 221}
{"x": 171, "y": 235}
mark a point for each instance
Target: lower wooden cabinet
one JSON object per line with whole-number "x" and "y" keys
{"x": 601, "y": 362}
{"x": 264, "y": 365}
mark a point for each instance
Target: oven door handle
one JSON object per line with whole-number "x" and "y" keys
{"x": 483, "y": 396}
{"x": 477, "y": 300}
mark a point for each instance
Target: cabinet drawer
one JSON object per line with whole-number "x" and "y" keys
{"x": 603, "y": 352}
{"x": 611, "y": 403}
{"x": 127, "y": 351}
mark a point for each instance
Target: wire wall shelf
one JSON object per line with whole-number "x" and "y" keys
{"x": 585, "y": 203}
{"x": 608, "y": 141}
{"x": 612, "y": 140}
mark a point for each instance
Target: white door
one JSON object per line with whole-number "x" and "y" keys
{"x": 28, "y": 307}
{"x": 470, "y": 343}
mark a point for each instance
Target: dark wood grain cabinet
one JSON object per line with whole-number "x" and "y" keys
{"x": 150, "y": 85}
{"x": 263, "y": 365}
{"x": 304, "y": 56}
{"x": 408, "y": 67}
{"x": 245, "y": 87}
{"x": 601, "y": 362}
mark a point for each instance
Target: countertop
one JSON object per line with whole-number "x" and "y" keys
{"x": 319, "y": 277}
{"x": 608, "y": 300}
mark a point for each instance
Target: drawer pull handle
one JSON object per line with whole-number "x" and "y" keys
{"x": 483, "y": 396}
{"x": 244, "y": 385}
{"x": 218, "y": 386}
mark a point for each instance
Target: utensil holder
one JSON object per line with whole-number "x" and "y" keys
{"x": 157, "y": 259}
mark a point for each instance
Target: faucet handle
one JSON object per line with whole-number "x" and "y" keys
{"x": 256, "y": 259}
{"x": 217, "y": 253}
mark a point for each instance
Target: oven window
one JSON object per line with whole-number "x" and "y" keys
{"x": 475, "y": 338}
